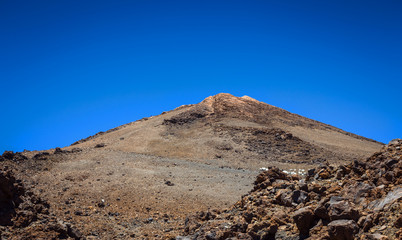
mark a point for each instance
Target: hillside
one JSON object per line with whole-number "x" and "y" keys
{"x": 359, "y": 200}
{"x": 143, "y": 179}
{"x": 240, "y": 130}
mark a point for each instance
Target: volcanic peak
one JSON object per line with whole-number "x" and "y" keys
{"x": 242, "y": 126}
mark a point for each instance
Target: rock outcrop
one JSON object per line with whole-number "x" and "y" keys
{"x": 25, "y": 216}
{"x": 360, "y": 200}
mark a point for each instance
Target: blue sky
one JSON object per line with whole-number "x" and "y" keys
{"x": 69, "y": 69}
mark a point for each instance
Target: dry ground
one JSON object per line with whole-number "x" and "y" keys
{"x": 135, "y": 188}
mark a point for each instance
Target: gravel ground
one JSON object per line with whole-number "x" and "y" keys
{"x": 114, "y": 194}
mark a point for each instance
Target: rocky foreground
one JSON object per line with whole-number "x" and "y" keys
{"x": 360, "y": 200}
{"x": 25, "y": 216}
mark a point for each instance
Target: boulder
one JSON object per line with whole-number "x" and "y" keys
{"x": 341, "y": 209}
{"x": 299, "y": 196}
{"x": 304, "y": 219}
{"x": 342, "y": 229}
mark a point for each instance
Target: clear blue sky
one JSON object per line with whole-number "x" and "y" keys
{"x": 69, "y": 69}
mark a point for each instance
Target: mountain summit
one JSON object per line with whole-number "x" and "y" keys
{"x": 241, "y": 130}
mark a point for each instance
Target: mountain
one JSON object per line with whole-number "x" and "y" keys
{"x": 143, "y": 179}
{"x": 240, "y": 130}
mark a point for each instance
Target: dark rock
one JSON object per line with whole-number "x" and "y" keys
{"x": 366, "y": 222}
{"x": 311, "y": 172}
{"x": 19, "y": 157}
{"x": 169, "y": 183}
{"x": 101, "y": 204}
{"x": 299, "y": 196}
{"x": 75, "y": 150}
{"x": 210, "y": 236}
{"x": 41, "y": 156}
{"x": 78, "y": 213}
{"x": 321, "y": 210}
{"x": 248, "y": 216}
{"x": 11, "y": 193}
{"x": 100, "y": 145}
{"x": 342, "y": 229}
{"x": 27, "y": 215}
{"x": 357, "y": 191}
{"x": 74, "y": 232}
{"x": 58, "y": 151}
{"x": 303, "y": 186}
{"x": 398, "y": 222}
{"x": 8, "y": 155}
{"x": 391, "y": 162}
{"x": 304, "y": 218}
{"x": 116, "y": 214}
{"x": 186, "y": 117}
{"x": 341, "y": 209}
{"x": 284, "y": 197}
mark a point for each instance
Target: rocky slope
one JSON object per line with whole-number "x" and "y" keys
{"x": 23, "y": 215}
{"x": 141, "y": 180}
{"x": 241, "y": 130}
{"x": 360, "y": 200}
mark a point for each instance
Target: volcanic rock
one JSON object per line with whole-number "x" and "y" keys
{"x": 329, "y": 212}
{"x": 304, "y": 218}
{"x": 25, "y": 216}
{"x": 342, "y": 229}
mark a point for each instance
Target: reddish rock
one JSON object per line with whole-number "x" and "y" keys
{"x": 304, "y": 219}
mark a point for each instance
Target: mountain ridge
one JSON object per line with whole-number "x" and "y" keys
{"x": 213, "y": 98}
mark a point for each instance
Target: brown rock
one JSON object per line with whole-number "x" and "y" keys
{"x": 304, "y": 218}
{"x": 366, "y": 222}
{"x": 283, "y": 197}
{"x": 342, "y": 229}
{"x": 398, "y": 222}
{"x": 324, "y": 174}
{"x": 341, "y": 209}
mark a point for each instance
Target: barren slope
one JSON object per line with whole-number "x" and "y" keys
{"x": 142, "y": 179}
{"x": 235, "y": 129}
{"x": 112, "y": 194}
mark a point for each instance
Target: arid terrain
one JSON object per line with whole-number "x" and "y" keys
{"x": 223, "y": 168}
